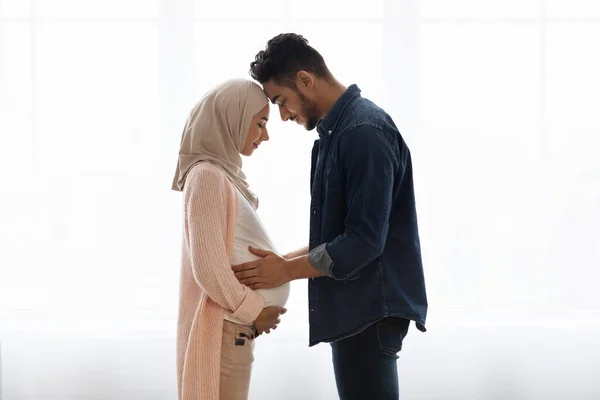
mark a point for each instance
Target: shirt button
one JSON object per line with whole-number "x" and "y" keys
{"x": 330, "y": 132}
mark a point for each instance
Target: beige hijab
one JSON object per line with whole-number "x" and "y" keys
{"x": 216, "y": 132}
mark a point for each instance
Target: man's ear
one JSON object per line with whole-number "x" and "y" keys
{"x": 305, "y": 79}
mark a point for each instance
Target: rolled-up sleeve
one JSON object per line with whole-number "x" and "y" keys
{"x": 320, "y": 260}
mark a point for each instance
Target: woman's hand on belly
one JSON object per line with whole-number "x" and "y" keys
{"x": 268, "y": 319}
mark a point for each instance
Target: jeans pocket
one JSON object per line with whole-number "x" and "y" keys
{"x": 237, "y": 347}
{"x": 390, "y": 335}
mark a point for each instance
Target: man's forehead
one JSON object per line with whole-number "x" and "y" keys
{"x": 272, "y": 91}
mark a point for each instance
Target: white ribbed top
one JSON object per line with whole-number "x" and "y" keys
{"x": 249, "y": 231}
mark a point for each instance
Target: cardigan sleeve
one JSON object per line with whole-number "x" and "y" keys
{"x": 205, "y": 203}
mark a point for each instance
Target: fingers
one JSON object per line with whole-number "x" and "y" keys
{"x": 250, "y": 281}
{"x": 267, "y": 327}
{"x": 274, "y": 326}
{"x": 245, "y": 274}
{"x": 255, "y": 286}
{"x": 244, "y": 267}
{"x": 270, "y": 319}
{"x": 259, "y": 252}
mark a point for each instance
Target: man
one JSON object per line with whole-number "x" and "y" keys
{"x": 363, "y": 258}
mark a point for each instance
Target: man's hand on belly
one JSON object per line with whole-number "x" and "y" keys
{"x": 272, "y": 270}
{"x": 267, "y": 272}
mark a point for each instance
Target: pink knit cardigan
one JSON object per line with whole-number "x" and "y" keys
{"x": 208, "y": 287}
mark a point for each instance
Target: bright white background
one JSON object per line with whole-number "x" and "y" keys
{"x": 498, "y": 101}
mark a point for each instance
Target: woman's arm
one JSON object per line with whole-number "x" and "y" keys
{"x": 206, "y": 218}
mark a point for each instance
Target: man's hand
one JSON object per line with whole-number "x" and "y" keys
{"x": 267, "y": 272}
{"x": 268, "y": 319}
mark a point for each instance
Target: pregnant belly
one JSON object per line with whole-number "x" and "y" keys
{"x": 277, "y": 296}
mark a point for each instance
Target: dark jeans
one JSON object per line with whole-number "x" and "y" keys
{"x": 365, "y": 364}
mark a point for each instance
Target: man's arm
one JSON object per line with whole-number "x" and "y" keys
{"x": 272, "y": 270}
{"x": 297, "y": 253}
{"x": 301, "y": 268}
{"x": 370, "y": 161}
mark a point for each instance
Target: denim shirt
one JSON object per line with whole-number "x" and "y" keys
{"x": 363, "y": 224}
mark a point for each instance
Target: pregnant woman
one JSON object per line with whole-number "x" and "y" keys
{"x": 219, "y": 318}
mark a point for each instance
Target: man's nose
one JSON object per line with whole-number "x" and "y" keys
{"x": 284, "y": 113}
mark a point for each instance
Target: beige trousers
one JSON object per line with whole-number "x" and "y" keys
{"x": 236, "y": 361}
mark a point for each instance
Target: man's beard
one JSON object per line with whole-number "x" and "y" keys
{"x": 311, "y": 114}
{"x": 311, "y": 121}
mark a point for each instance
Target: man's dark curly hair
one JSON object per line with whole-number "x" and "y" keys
{"x": 284, "y": 56}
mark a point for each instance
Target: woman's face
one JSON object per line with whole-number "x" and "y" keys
{"x": 257, "y": 133}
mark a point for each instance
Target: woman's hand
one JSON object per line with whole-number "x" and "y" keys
{"x": 268, "y": 319}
